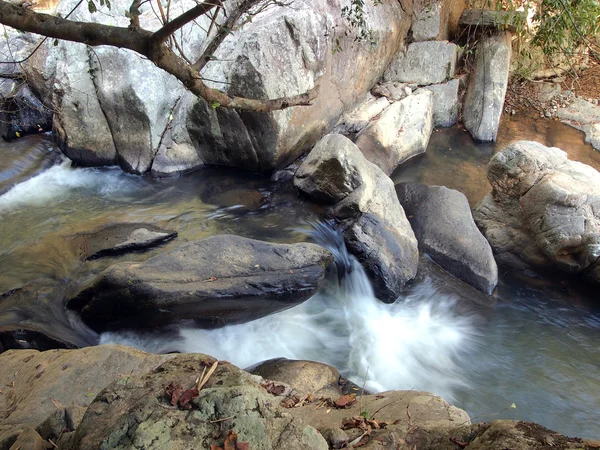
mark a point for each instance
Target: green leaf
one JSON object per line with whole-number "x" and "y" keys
{"x": 513, "y": 406}
{"x": 55, "y": 42}
{"x": 92, "y": 6}
{"x": 215, "y": 105}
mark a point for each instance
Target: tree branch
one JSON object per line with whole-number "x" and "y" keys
{"x": 169, "y": 28}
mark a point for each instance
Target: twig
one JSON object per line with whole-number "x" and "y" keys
{"x": 203, "y": 380}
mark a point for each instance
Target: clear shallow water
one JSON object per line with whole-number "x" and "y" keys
{"x": 534, "y": 343}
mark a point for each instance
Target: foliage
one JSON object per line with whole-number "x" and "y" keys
{"x": 354, "y": 16}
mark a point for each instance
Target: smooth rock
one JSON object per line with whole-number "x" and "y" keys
{"x": 444, "y": 227}
{"x": 401, "y": 132}
{"x": 55, "y": 379}
{"x": 358, "y": 119}
{"x": 484, "y": 100}
{"x": 544, "y": 210}
{"x": 224, "y": 279}
{"x": 429, "y": 62}
{"x": 445, "y": 103}
{"x": 121, "y": 238}
{"x": 139, "y": 413}
{"x": 331, "y": 170}
{"x": 29, "y": 439}
{"x": 584, "y": 116}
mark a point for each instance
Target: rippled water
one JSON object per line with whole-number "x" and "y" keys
{"x": 534, "y": 342}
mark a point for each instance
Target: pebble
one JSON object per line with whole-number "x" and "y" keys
{"x": 548, "y": 114}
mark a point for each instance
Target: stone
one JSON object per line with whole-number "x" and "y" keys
{"x": 23, "y": 113}
{"x": 140, "y": 413}
{"x": 484, "y": 100}
{"x": 543, "y": 211}
{"x": 444, "y": 227}
{"x": 331, "y": 170}
{"x": 495, "y": 20}
{"x": 44, "y": 383}
{"x": 29, "y": 439}
{"x": 584, "y": 116}
{"x": 445, "y": 103}
{"x": 428, "y": 22}
{"x": 122, "y": 237}
{"x": 401, "y": 132}
{"x": 392, "y": 90}
{"x": 306, "y": 377}
{"x": 224, "y": 279}
{"x": 358, "y": 119}
{"x": 429, "y": 62}
{"x": 373, "y": 222}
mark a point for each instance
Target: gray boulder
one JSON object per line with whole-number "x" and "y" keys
{"x": 429, "y": 62}
{"x": 484, "y": 99}
{"x": 216, "y": 281}
{"x": 358, "y": 119}
{"x": 543, "y": 210}
{"x": 584, "y": 116}
{"x": 122, "y": 237}
{"x": 375, "y": 227}
{"x": 442, "y": 221}
{"x": 401, "y": 132}
{"x": 445, "y": 103}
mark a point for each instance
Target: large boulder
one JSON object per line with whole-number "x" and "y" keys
{"x": 445, "y": 103}
{"x": 584, "y": 116}
{"x": 113, "y": 106}
{"x": 401, "y": 132}
{"x": 38, "y": 387}
{"x": 429, "y": 62}
{"x": 484, "y": 99}
{"x": 220, "y": 280}
{"x": 375, "y": 227}
{"x": 544, "y": 210}
{"x": 442, "y": 221}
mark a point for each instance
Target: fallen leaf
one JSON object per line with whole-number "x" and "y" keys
{"x": 187, "y": 397}
{"x": 275, "y": 389}
{"x": 56, "y": 403}
{"x": 461, "y": 444}
{"x": 214, "y": 447}
{"x": 242, "y": 446}
{"x": 345, "y": 401}
{"x": 173, "y": 392}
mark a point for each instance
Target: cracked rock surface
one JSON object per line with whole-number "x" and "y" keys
{"x": 544, "y": 210}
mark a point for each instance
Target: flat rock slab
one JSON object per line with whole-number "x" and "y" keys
{"x": 487, "y": 87}
{"x": 445, "y": 103}
{"x": 216, "y": 281}
{"x": 429, "y": 62}
{"x": 442, "y": 221}
{"x": 123, "y": 237}
{"x": 584, "y": 116}
{"x": 487, "y": 18}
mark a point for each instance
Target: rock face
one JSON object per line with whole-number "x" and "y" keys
{"x": 584, "y": 116}
{"x": 402, "y": 132}
{"x": 22, "y": 112}
{"x": 358, "y": 119}
{"x": 43, "y": 394}
{"x": 543, "y": 210}
{"x": 484, "y": 99}
{"x": 123, "y": 237}
{"x": 375, "y": 227}
{"x": 445, "y": 103}
{"x": 424, "y": 63}
{"x": 442, "y": 222}
{"x": 220, "y": 280}
{"x": 112, "y": 106}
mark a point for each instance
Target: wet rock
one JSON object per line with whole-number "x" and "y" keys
{"x": 484, "y": 100}
{"x": 445, "y": 103}
{"x": 584, "y": 116}
{"x": 140, "y": 413}
{"x": 358, "y": 119}
{"x": 442, "y": 221}
{"x": 121, "y": 238}
{"x": 401, "y": 132}
{"x": 22, "y": 112}
{"x": 331, "y": 170}
{"x": 306, "y": 377}
{"x": 423, "y": 63}
{"x": 44, "y": 383}
{"x": 543, "y": 210}
{"x": 221, "y": 280}
{"x": 375, "y": 227}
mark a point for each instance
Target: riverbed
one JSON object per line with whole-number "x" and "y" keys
{"x": 532, "y": 344}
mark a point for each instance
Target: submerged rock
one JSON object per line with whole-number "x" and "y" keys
{"x": 442, "y": 221}
{"x": 121, "y": 238}
{"x": 375, "y": 227}
{"x": 484, "y": 99}
{"x": 584, "y": 116}
{"x": 544, "y": 210}
{"x": 401, "y": 132}
{"x": 221, "y": 280}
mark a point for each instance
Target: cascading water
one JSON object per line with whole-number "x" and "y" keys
{"x": 411, "y": 344}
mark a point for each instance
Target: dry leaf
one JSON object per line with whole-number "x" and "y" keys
{"x": 345, "y": 401}
{"x": 57, "y": 404}
{"x": 275, "y": 389}
{"x": 187, "y": 397}
{"x": 173, "y": 392}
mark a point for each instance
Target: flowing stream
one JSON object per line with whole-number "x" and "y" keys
{"x": 533, "y": 343}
